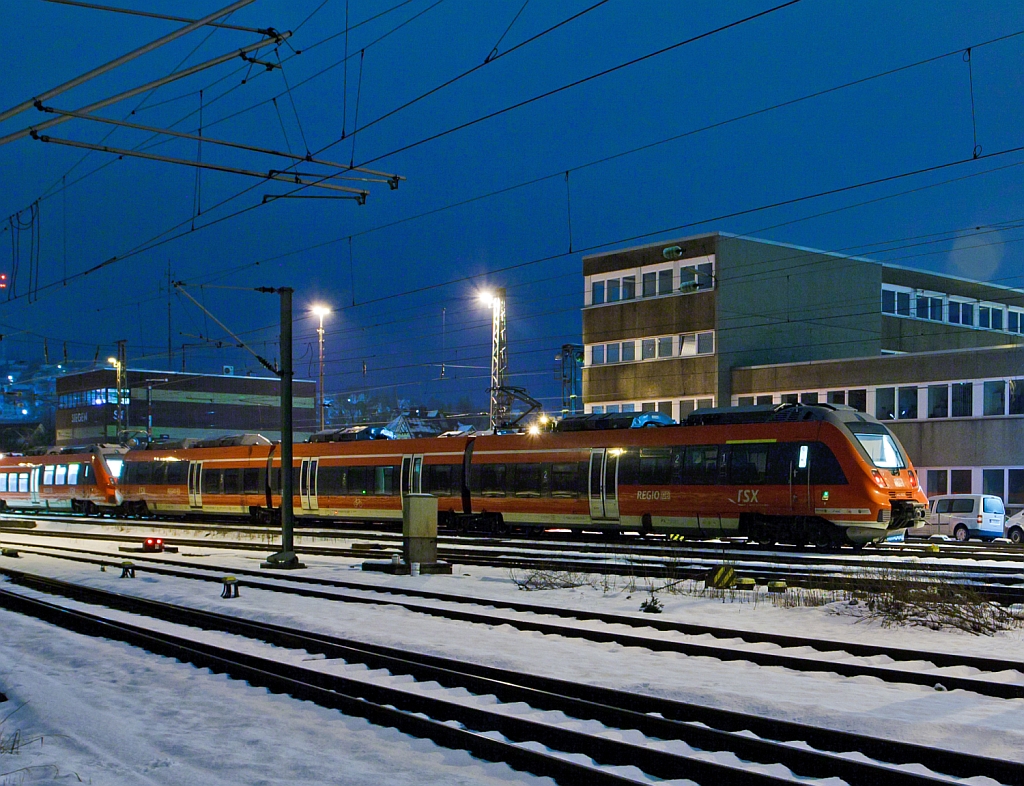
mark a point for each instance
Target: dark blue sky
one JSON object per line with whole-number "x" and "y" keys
{"x": 914, "y": 119}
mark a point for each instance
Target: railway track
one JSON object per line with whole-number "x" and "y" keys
{"x": 999, "y": 583}
{"x": 658, "y": 737}
{"x": 1001, "y": 678}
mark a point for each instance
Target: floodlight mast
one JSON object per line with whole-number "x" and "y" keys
{"x": 500, "y": 403}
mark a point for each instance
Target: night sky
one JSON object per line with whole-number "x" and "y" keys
{"x": 649, "y": 153}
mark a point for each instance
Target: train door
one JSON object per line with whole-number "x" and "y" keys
{"x": 33, "y": 485}
{"x": 195, "y": 478}
{"x": 412, "y": 474}
{"x": 604, "y": 483}
{"x": 307, "y": 484}
{"x": 800, "y": 481}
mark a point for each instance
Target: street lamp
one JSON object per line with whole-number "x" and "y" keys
{"x": 118, "y": 410}
{"x": 321, "y": 312}
{"x": 500, "y": 404}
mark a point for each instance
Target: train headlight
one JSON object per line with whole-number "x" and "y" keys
{"x": 877, "y": 477}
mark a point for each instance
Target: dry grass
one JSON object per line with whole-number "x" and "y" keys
{"x": 11, "y": 744}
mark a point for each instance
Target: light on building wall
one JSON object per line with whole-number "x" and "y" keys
{"x": 672, "y": 252}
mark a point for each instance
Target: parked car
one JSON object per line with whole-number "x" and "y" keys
{"x": 1014, "y": 528}
{"x": 964, "y": 516}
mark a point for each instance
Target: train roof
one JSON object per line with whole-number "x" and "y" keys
{"x": 776, "y": 413}
{"x": 612, "y": 420}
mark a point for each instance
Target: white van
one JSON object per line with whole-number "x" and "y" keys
{"x": 964, "y": 516}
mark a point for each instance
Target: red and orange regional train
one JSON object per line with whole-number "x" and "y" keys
{"x": 786, "y": 473}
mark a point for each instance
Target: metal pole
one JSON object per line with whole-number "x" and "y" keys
{"x": 287, "y": 513}
{"x": 320, "y": 387}
{"x": 499, "y": 360}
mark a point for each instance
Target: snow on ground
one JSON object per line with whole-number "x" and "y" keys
{"x": 130, "y": 717}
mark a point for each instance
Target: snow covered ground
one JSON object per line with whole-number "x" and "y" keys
{"x": 113, "y": 714}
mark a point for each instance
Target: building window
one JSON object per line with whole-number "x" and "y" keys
{"x": 837, "y": 397}
{"x": 665, "y": 347}
{"x": 765, "y": 399}
{"x": 612, "y": 290}
{"x": 903, "y": 304}
{"x": 598, "y": 410}
{"x": 597, "y": 293}
{"x": 688, "y": 345}
{"x": 696, "y": 277}
{"x": 995, "y": 398}
{"x": 938, "y": 401}
{"x": 647, "y": 406}
{"x": 984, "y": 316}
{"x": 650, "y": 284}
{"x": 705, "y": 403}
{"x": 706, "y": 343}
{"x": 597, "y": 355}
{"x": 1015, "y": 487}
{"x": 628, "y": 287}
{"x": 665, "y": 408}
{"x": 790, "y": 398}
{"x": 885, "y": 403}
{"x": 629, "y": 407}
{"x": 1017, "y": 396}
{"x": 665, "y": 282}
{"x": 858, "y": 399}
{"x": 929, "y": 308}
{"x": 937, "y": 481}
{"x": 997, "y": 319}
{"x": 963, "y": 399}
{"x": 959, "y": 481}
{"x": 745, "y": 401}
{"x": 809, "y": 398}
{"x": 908, "y": 403}
{"x": 611, "y": 353}
{"x": 685, "y": 408}
{"x": 612, "y": 409}
{"x": 628, "y": 351}
{"x": 992, "y": 482}
{"x": 647, "y": 349}
{"x": 1013, "y": 321}
{"x": 888, "y": 301}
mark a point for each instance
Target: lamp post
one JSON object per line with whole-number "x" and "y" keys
{"x": 321, "y": 311}
{"x": 500, "y": 404}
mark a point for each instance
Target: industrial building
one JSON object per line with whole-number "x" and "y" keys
{"x": 718, "y": 319}
{"x": 101, "y": 406}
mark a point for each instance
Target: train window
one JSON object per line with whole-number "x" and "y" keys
{"x": 85, "y": 476}
{"x": 384, "y": 480}
{"x": 825, "y": 469}
{"x": 3, "y": 481}
{"x": 802, "y": 455}
{"x": 211, "y": 481}
{"x": 22, "y": 481}
{"x": 72, "y": 474}
{"x": 177, "y": 473}
{"x": 48, "y": 475}
{"x": 748, "y": 464}
{"x": 360, "y": 480}
{"x": 655, "y": 466}
{"x": 492, "y": 480}
{"x": 700, "y": 465}
{"x": 144, "y": 473}
{"x": 159, "y": 474}
{"x": 528, "y": 480}
{"x": 563, "y": 481}
{"x": 232, "y": 481}
{"x": 60, "y": 474}
{"x": 331, "y": 481}
{"x": 251, "y": 481}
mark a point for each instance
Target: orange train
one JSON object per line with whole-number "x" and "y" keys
{"x": 786, "y": 473}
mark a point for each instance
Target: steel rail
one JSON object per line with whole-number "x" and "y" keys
{"x": 658, "y": 718}
{"x": 723, "y": 652}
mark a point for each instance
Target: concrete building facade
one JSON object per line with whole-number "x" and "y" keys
{"x": 179, "y": 405}
{"x": 717, "y": 319}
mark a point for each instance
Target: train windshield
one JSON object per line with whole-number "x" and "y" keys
{"x": 114, "y": 466}
{"x": 882, "y": 450}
